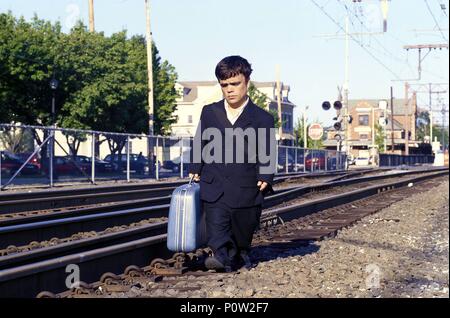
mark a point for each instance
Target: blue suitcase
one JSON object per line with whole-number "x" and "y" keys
{"x": 187, "y": 228}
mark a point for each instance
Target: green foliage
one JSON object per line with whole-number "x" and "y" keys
{"x": 165, "y": 95}
{"x": 423, "y": 128}
{"x": 262, "y": 100}
{"x": 102, "y": 80}
{"x": 379, "y": 137}
{"x": 299, "y": 136}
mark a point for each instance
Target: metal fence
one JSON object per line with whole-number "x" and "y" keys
{"x": 295, "y": 159}
{"x": 49, "y": 155}
{"x": 391, "y": 160}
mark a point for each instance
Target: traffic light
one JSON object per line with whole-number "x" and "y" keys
{"x": 326, "y": 105}
{"x": 337, "y": 105}
{"x": 337, "y": 125}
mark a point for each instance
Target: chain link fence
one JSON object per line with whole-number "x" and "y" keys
{"x": 36, "y": 155}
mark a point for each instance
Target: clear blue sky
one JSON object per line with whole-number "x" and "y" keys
{"x": 194, "y": 35}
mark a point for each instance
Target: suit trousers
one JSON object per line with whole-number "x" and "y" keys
{"x": 231, "y": 227}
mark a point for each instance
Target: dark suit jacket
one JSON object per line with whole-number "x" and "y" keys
{"x": 237, "y": 181}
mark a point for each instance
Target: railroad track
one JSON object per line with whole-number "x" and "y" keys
{"x": 50, "y": 274}
{"x": 39, "y": 201}
{"x": 50, "y": 229}
{"x": 112, "y": 201}
{"x": 181, "y": 274}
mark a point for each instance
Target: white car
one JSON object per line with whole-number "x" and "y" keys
{"x": 362, "y": 161}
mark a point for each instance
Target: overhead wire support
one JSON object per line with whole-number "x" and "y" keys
{"x": 355, "y": 40}
{"x": 420, "y": 47}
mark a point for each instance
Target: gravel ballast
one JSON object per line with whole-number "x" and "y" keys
{"x": 400, "y": 251}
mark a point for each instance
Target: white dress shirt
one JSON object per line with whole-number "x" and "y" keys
{"x": 237, "y": 111}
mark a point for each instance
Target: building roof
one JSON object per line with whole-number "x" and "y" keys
{"x": 399, "y": 105}
{"x": 190, "y": 92}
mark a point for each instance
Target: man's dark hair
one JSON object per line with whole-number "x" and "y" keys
{"x": 233, "y": 66}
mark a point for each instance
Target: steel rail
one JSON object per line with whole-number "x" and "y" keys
{"x": 29, "y": 279}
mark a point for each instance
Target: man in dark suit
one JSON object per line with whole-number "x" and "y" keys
{"x": 236, "y": 166}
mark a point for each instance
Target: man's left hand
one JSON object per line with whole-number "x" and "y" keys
{"x": 262, "y": 185}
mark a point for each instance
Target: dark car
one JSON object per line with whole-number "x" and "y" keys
{"x": 138, "y": 163}
{"x": 101, "y": 166}
{"x": 11, "y": 163}
{"x": 170, "y": 165}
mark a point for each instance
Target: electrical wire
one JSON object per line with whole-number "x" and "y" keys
{"x": 355, "y": 40}
{"x": 435, "y": 21}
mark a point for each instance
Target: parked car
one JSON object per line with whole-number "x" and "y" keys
{"x": 86, "y": 162}
{"x": 138, "y": 163}
{"x": 362, "y": 161}
{"x": 35, "y": 160}
{"x": 292, "y": 166}
{"x": 11, "y": 163}
{"x": 170, "y": 165}
{"x": 64, "y": 166}
{"x": 316, "y": 161}
{"x": 350, "y": 161}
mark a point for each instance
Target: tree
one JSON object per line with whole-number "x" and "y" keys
{"x": 102, "y": 80}
{"x": 27, "y": 52}
{"x": 165, "y": 94}
{"x": 16, "y": 140}
{"x": 299, "y": 136}
{"x": 262, "y": 100}
{"x": 379, "y": 137}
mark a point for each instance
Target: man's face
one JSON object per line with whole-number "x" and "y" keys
{"x": 234, "y": 90}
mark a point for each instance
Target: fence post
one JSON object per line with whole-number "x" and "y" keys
{"x": 50, "y": 159}
{"x": 287, "y": 161}
{"x": 128, "y": 158}
{"x": 93, "y": 158}
{"x": 295, "y": 162}
{"x": 276, "y": 153}
{"x": 181, "y": 158}
{"x": 1, "y": 154}
{"x": 157, "y": 160}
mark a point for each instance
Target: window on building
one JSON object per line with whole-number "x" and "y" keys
{"x": 363, "y": 136}
{"x": 286, "y": 121}
{"x": 189, "y": 119}
{"x": 364, "y": 120}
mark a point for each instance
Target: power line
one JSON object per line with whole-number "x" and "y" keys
{"x": 435, "y": 21}
{"x": 355, "y": 40}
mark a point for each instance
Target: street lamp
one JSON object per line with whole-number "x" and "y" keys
{"x": 53, "y": 85}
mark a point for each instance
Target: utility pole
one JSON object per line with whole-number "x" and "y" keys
{"x": 280, "y": 129}
{"x": 430, "y": 89}
{"x": 346, "y": 84}
{"x": 431, "y": 116}
{"x": 407, "y": 119}
{"x": 392, "y": 121}
{"x": 305, "y": 129}
{"x": 149, "y": 67}
{"x": 91, "y": 16}
{"x": 150, "y": 141}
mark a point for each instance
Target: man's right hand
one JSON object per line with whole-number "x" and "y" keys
{"x": 196, "y": 177}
